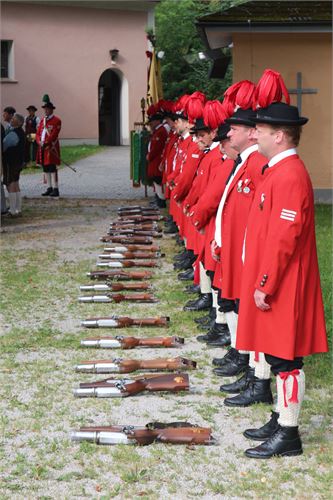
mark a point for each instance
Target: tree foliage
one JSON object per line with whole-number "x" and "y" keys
{"x": 176, "y": 34}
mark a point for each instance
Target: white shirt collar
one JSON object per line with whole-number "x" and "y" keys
{"x": 246, "y": 153}
{"x": 281, "y": 156}
{"x": 186, "y": 135}
{"x": 159, "y": 126}
{"x": 214, "y": 145}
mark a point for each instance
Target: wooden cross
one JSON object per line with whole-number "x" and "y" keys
{"x": 299, "y": 91}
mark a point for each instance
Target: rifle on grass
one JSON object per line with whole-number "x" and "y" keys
{"x": 124, "y": 322}
{"x": 154, "y": 432}
{"x": 116, "y": 287}
{"x": 131, "y": 255}
{"x": 120, "y": 342}
{"x": 139, "y": 227}
{"x": 129, "y": 263}
{"x": 139, "y": 218}
{"x": 132, "y": 248}
{"x": 127, "y": 240}
{"x": 139, "y": 210}
{"x": 119, "y": 297}
{"x": 130, "y": 386}
{"x": 119, "y": 275}
{"x": 131, "y": 365}
{"x": 134, "y": 232}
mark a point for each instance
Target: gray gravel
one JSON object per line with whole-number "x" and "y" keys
{"x": 105, "y": 175}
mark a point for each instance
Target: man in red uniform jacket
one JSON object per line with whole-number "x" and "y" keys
{"x": 154, "y": 156}
{"x": 48, "y": 154}
{"x": 281, "y": 296}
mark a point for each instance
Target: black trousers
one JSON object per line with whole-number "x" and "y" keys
{"x": 283, "y": 365}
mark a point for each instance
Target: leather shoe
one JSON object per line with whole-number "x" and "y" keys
{"x": 186, "y": 275}
{"x": 47, "y": 192}
{"x": 222, "y": 341}
{"x": 202, "y": 303}
{"x": 264, "y": 432}
{"x": 184, "y": 264}
{"x": 192, "y": 289}
{"x": 257, "y": 391}
{"x": 213, "y": 334}
{"x": 227, "y": 358}
{"x": 233, "y": 367}
{"x": 55, "y": 193}
{"x": 170, "y": 228}
{"x": 180, "y": 256}
{"x": 208, "y": 318}
{"x": 285, "y": 442}
{"x": 240, "y": 384}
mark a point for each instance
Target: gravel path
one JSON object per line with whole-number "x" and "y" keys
{"x": 105, "y": 175}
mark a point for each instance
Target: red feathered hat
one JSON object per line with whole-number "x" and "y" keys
{"x": 239, "y": 95}
{"x": 214, "y": 114}
{"x": 270, "y": 88}
{"x": 179, "y": 107}
{"x": 194, "y": 106}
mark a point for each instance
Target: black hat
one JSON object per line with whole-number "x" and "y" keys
{"x": 49, "y": 105}
{"x": 222, "y": 132}
{"x": 242, "y": 117}
{"x": 199, "y": 125}
{"x": 155, "y": 116}
{"x": 32, "y": 107}
{"x": 280, "y": 113}
{"x": 180, "y": 115}
{"x": 10, "y": 110}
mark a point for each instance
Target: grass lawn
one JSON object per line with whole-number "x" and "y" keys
{"x": 70, "y": 154}
{"x": 45, "y": 255}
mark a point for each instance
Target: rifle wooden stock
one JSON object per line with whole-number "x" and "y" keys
{"x": 132, "y": 255}
{"x": 132, "y": 342}
{"x": 123, "y": 275}
{"x": 173, "y": 433}
{"x": 138, "y": 211}
{"x": 137, "y": 207}
{"x": 140, "y": 218}
{"x": 132, "y": 248}
{"x": 140, "y": 227}
{"x": 117, "y": 287}
{"x": 141, "y": 240}
{"x": 132, "y": 233}
{"x": 132, "y": 365}
{"x": 166, "y": 382}
{"x": 119, "y": 297}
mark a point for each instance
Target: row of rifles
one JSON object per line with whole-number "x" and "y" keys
{"x": 131, "y": 244}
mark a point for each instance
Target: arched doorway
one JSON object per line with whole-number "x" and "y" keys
{"x": 109, "y": 122}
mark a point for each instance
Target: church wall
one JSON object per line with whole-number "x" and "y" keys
{"x": 62, "y": 51}
{"x": 311, "y": 55}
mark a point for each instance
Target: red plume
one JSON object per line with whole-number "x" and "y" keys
{"x": 180, "y": 103}
{"x": 214, "y": 114}
{"x": 166, "y": 106}
{"x": 270, "y": 88}
{"x": 194, "y": 106}
{"x": 151, "y": 110}
{"x": 239, "y": 95}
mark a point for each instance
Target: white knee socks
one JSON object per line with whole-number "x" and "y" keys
{"x": 262, "y": 369}
{"x": 159, "y": 191}
{"x": 232, "y": 321}
{"x": 12, "y": 203}
{"x": 205, "y": 281}
{"x": 18, "y": 202}
{"x": 220, "y": 316}
{"x": 290, "y": 392}
{"x": 54, "y": 179}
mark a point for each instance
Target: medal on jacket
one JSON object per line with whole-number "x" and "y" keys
{"x": 262, "y": 199}
{"x": 246, "y": 188}
{"x": 239, "y": 186}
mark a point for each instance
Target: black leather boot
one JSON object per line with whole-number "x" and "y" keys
{"x": 233, "y": 367}
{"x": 186, "y": 275}
{"x": 182, "y": 255}
{"x": 201, "y": 304}
{"x": 185, "y": 263}
{"x": 214, "y": 333}
{"x": 227, "y": 358}
{"x": 55, "y": 193}
{"x": 47, "y": 192}
{"x": 206, "y": 320}
{"x": 170, "y": 228}
{"x": 192, "y": 289}
{"x": 240, "y": 384}
{"x": 257, "y": 391}
{"x": 264, "y": 432}
{"x": 223, "y": 340}
{"x": 285, "y": 442}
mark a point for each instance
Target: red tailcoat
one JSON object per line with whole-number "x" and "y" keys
{"x": 51, "y": 150}
{"x": 281, "y": 260}
{"x": 204, "y": 212}
{"x": 179, "y": 160}
{"x": 155, "y": 151}
{"x": 234, "y": 219}
{"x": 169, "y": 152}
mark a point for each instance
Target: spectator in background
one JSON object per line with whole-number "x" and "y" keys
{"x": 31, "y": 123}
{"x": 13, "y": 149}
{"x": 7, "y": 115}
{"x": 3, "y": 198}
